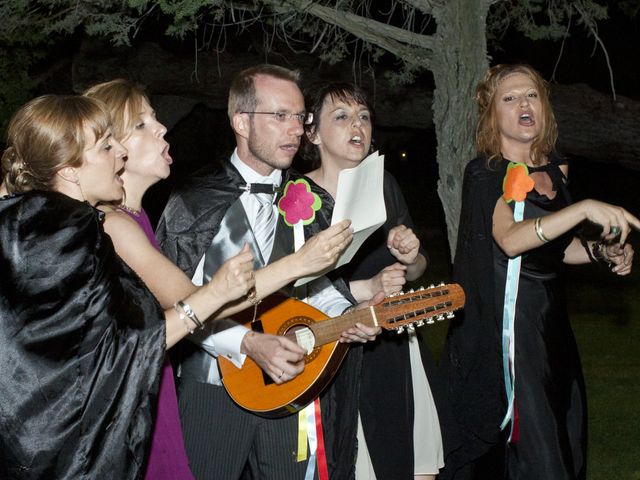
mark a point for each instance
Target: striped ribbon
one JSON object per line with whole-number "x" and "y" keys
{"x": 309, "y": 418}
{"x": 310, "y": 422}
{"x": 508, "y": 329}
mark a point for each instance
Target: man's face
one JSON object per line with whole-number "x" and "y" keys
{"x": 271, "y": 143}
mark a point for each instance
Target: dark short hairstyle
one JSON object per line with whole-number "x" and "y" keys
{"x": 314, "y": 99}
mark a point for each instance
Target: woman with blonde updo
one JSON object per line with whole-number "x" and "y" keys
{"x": 82, "y": 339}
{"x": 511, "y": 358}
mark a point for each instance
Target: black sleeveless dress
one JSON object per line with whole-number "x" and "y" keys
{"x": 550, "y": 395}
{"x": 550, "y": 391}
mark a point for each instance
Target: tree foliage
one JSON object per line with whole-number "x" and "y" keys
{"x": 335, "y": 30}
{"x": 446, "y": 37}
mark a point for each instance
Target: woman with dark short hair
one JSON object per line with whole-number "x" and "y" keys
{"x": 396, "y": 401}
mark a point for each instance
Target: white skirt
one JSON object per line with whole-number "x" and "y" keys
{"x": 427, "y": 439}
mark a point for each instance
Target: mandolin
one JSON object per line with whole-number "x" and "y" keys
{"x": 254, "y": 390}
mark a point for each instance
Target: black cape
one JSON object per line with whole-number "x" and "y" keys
{"x": 386, "y": 407}
{"x": 471, "y": 361}
{"x": 81, "y": 346}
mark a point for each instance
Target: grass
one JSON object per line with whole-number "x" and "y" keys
{"x": 604, "y": 310}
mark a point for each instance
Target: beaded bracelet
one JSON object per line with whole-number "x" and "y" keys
{"x": 599, "y": 253}
{"x": 252, "y": 298}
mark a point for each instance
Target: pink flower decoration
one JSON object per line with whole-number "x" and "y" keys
{"x": 299, "y": 203}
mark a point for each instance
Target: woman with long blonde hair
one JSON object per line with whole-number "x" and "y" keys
{"x": 511, "y": 359}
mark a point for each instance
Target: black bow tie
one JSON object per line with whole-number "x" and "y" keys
{"x": 260, "y": 188}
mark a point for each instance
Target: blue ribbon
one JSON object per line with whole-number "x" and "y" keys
{"x": 508, "y": 328}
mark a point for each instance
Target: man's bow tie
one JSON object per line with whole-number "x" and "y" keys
{"x": 260, "y": 188}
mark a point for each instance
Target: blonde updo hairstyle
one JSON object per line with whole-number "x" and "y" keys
{"x": 124, "y": 102}
{"x": 487, "y": 132}
{"x": 46, "y": 135}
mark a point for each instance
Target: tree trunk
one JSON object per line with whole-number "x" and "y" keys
{"x": 458, "y": 66}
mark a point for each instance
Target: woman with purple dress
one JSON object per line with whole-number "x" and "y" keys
{"x": 128, "y": 224}
{"x": 148, "y": 162}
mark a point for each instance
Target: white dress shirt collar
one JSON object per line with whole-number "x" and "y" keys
{"x": 251, "y": 176}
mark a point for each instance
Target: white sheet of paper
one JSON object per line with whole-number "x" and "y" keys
{"x": 359, "y": 198}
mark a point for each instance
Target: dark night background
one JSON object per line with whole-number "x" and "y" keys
{"x": 596, "y": 297}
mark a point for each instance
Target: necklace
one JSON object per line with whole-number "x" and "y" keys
{"x": 132, "y": 211}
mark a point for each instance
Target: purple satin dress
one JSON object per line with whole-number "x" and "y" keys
{"x": 168, "y": 458}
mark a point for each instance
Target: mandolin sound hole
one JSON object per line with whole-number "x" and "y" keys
{"x": 297, "y": 330}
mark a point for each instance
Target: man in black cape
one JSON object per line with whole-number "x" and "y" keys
{"x": 208, "y": 219}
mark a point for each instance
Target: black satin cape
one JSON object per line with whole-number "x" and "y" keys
{"x": 194, "y": 213}
{"x": 385, "y": 406}
{"x": 191, "y": 219}
{"x": 82, "y": 342}
{"x": 471, "y": 362}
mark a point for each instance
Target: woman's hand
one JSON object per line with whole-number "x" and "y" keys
{"x": 620, "y": 256}
{"x": 235, "y": 278}
{"x": 389, "y": 280}
{"x": 361, "y": 333}
{"x": 615, "y": 221}
{"x": 323, "y": 249}
{"x": 403, "y": 244}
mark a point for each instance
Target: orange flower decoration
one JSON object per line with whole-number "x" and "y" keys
{"x": 517, "y": 182}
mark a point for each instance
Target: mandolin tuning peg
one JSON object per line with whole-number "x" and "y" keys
{"x": 431, "y": 286}
{"x": 411, "y": 328}
{"x": 399, "y": 330}
{"x": 421, "y": 288}
{"x": 420, "y": 323}
{"x": 450, "y": 315}
{"x": 441, "y": 284}
{"x": 440, "y": 317}
{"x": 430, "y": 321}
{"x": 411, "y": 291}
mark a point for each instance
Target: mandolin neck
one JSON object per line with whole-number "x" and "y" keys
{"x": 329, "y": 330}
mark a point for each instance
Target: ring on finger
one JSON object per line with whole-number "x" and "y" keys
{"x": 615, "y": 230}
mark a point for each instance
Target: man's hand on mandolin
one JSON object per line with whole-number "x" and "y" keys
{"x": 361, "y": 333}
{"x": 281, "y": 358}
